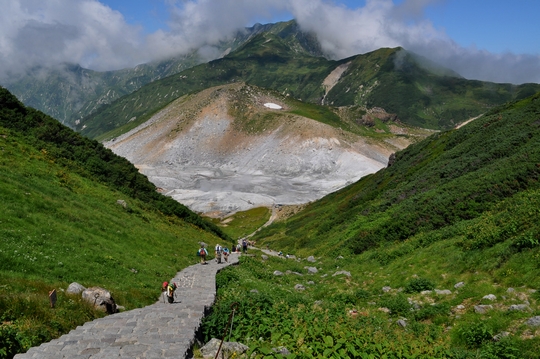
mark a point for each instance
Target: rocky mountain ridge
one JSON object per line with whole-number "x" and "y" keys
{"x": 226, "y": 149}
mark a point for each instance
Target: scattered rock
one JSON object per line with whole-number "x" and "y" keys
{"x": 482, "y": 309}
{"x": 291, "y": 272}
{"x": 426, "y": 292}
{"x": 501, "y": 335}
{"x": 519, "y": 307}
{"x": 491, "y": 297}
{"x": 383, "y": 309}
{"x": 402, "y": 323}
{"x": 133, "y": 270}
{"x": 460, "y": 307}
{"x": 278, "y": 272}
{"x": 386, "y": 289}
{"x": 348, "y": 274}
{"x": 101, "y": 299}
{"x": 339, "y": 257}
{"x": 75, "y": 288}
{"x": 534, "y": 321}
{"x": 122, "y": 203}
{"x": 311, "y": 282}
{"x": 264, "y": 257}
{"x": 324, "y": 275}
{"x": 459, "y": 285}
{"x": 443, "y": 292}
{"x": 281, "y": 350}
{"x": 311, "y": 259}
{"x": 254, "y": 291}
{"x": 311, "y": 270}
{"x": 510, "y": 290}
{"x": 318, "y": 302}
{"x": 299, "y": 287}
{"x": 228, "y": 349}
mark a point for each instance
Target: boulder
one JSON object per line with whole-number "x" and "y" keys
{"x": 499, "y": 336}
{"x": 491, "y": 297}
{"x": 101, "y": 299}
{"x": 75, "y": 288}
{"x": 278, "y": 273}
{"x": 122, "y": 203}
{"x": 311, "y": 270}
{"x": 228, "y": 349}
{"x": 482, "y": 309}
{"x": 311, "y": 259}
{"x": 386, "y": 289}
{"x": 534, "y": 321}
{"x": 348, "y": 274}
{"x": 459, "y": 285}
{"x": 281, "y": 350}
{"x": 299, "y": 287}
{"x": 443, "y": 292}
{"x": 519, "y": 307}
{"x": 402, "y": 323}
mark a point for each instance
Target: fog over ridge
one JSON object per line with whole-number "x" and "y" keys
{"x": 87, "y": 32}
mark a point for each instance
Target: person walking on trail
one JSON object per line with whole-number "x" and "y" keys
{"x": 226, "y": 254}
{"x": 169, "y": 291}
{"x": 203, "y": 253}
{"x": 218, "y": 252}
{"x": 244, "y": 246}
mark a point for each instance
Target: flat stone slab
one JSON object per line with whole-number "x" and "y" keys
{"x": 160, "y": 330}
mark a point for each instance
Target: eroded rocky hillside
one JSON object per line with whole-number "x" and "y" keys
{"x": 235, "y": 147}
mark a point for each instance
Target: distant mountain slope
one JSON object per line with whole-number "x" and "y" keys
{"x": 89, "y": 158}
{"x": 418, "y": 92}
{"x": 70, "y": 92}
{"x": 227, "y": 149}
{"x": 448, "y": 178}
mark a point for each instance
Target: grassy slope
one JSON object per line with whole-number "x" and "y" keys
{"x": 459, "y": 206}
{"x": 59, "y": 223}
{"x": 387, "y": 78}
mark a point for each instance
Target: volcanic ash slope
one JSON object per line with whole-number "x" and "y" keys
{"x": 222, "y": 150}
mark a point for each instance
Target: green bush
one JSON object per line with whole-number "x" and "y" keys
{"x": 398, "y": 305}
{"x": 475, "y": 334}
{"x": 417, "y": 285}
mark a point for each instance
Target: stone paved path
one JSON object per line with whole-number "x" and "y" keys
{"x": 161, "y": 330}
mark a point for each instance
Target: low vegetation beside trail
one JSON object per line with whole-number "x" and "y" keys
{"x": 442, "y": 247}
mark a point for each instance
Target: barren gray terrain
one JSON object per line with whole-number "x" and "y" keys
{"x": 197, "y": 153}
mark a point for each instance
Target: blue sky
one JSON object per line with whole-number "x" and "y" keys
{"x": 490, "y": 40}
{"x": 494, "y": 25}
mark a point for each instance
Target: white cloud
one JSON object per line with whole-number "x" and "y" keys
{"x": 87, "y": 32}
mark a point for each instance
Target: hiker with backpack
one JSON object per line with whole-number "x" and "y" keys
{"x": 168, "y": 289}
{"x": 226, "y": 254}
{"x": 202, "y": 253}
{"x": 218, "y": 252}
{"x": 244, "y": 246}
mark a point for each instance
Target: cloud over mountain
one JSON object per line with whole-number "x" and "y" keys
{"x": 48, "y": 32}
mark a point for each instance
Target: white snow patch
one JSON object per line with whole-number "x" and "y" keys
{"x": 273, "y": 106}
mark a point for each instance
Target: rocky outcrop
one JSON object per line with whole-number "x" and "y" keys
{"x": 101, "y": 299}
{"x": 223, "y": 151}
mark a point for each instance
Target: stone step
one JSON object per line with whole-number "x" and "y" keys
{"x": 160, "y": 330}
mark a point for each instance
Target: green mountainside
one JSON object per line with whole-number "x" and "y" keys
{"x": 419, "y": 93}
{"x": 436, "y": 256}
{"x": 70, "y": 92}
{"x": 61, "y": 222}
{"x": 277, "y": 56}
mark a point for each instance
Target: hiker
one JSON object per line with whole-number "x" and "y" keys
{"x": 203, "y": 253}
{"x": 217, "y": 252}
{"x": 169, "y": 291}
{"x": 244, "y": 246}
{"x": 226, "y": 254}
